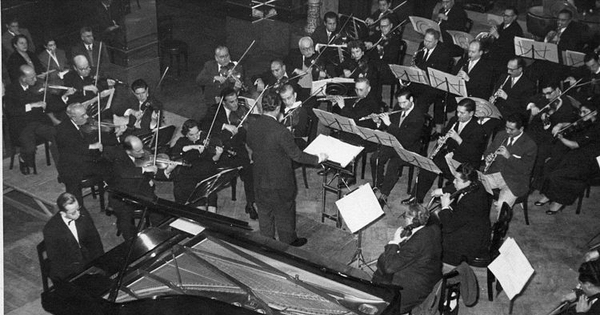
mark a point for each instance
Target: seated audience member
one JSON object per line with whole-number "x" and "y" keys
{"x": 203, "y": 162}
{"x": 465, "y": 217}
{"x": 572, "y": 162}
{"x": 71, "y": 238}
{"x": 21, "y": 56}
{"x": 90, "y": 48}
{"x": 13, "y": 29}
{"x": 412, "y": 259}
{"x": 134, "y": 176}
{"x": 588, "y": 299}
{"x": 57, "y": 59}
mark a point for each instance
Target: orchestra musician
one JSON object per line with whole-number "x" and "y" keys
{"x": 588, "y": 299}
{"x": 503, "y": 47}
{"x": 464, "y": 141}
{"x": 407, "y": 127}
{"x": 561, "y": 110}
{"x": 476, "y": 71}
{"x": 590, "y": 75}
{"x": 431, "y": 54}
{"x": 384, "y": 47}
{"x": 303, "y": 60}
{"x": 27, "y": 119}
{"x": 513, "y": 89}
{"x": 509, "y": 161}
{"x": 295, "y": 115}
{"x": 465, "y": 218}
{"x": 274, "y": 78}
{"x": 324, "y": 33}
{"x": 142, "y": 111}
{"x": 412, "y": 258}
{"x": 383, "y": 11}
{"x": 572, "y": 162}
{"x": 134, "y": 174}
{"x": 216, "y": 75}
{"x": 233, "y": 137}
{"x": 83, "y": 84}
{"x": 80, "y": 150}
{"x": 203, "y": 159}
{"x": 273, "y": 150}
{"x": 71, "y": 238}
{"x": 451, "y": 17}
{"x": 360, "y": 66}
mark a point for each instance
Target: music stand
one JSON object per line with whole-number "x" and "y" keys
{"x": 573, "y": 58}
{"x": 448, "y": 83}
{"x": 212, "y": 184}
{"x": 528, "y": 48}
{"x": 410, "y": 74}
{"x": 360, "y": 209}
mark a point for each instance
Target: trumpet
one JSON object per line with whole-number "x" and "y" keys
{"x": 442, "y": 142}
{"x": 495, "y": 95}
{"x": 489, "y": 162}
{"x": 331, "y": 97}
{"x": 379, "y": 115}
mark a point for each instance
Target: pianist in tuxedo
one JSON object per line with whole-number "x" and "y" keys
{"x": 71, "y": 238}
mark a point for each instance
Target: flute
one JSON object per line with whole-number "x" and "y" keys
{"x": 379, "y": 115}
{"x": 495, "y": 95}
{"x": 489, "y": 163}
{"x": 331, "y": 97}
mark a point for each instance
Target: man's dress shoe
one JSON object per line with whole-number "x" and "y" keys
{"x": 251, "y": 211}
{"x": 23, "y": 167}
{"x": 299, "y": 242}
{"x": 408, "y": 200}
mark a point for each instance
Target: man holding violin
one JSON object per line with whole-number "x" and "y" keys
{"x": 223, "y": 122}
{"x": 142, "y": 111}
{"x": 83, "y": 86}
{"x": 217, "y": 74}
{"x": 80, "y": 150}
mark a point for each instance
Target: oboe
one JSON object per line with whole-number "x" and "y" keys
{"x": 489, "y": 162}
{"x": 495, "y": 95}
{"x": 442, "y": 142}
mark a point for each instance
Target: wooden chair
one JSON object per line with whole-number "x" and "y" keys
{"x": 499, "y": 231}
{"x": 595, "y": 181}
{"x": 171, "y": 47}
{"x": 95, "y": 182}
{"x": 44, "y": 264}
{"x": 15, "y": 145}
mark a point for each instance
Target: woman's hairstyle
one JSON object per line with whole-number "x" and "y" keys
{"x": 15, "y": 39}
{"x": 590, "y": 272}
{"x": 420, "y": 216}
{"x": 466, "y": 172}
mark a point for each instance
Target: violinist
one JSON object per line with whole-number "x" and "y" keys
{"x": 203, "y": 160}
{"x": 383, "y": 11}
{"x": 586, "y": 297}
{"x": 275, "y": 78}
{"x": 465, "y": 217}
{"x": 294, "y": 115}
{"x": 142, "y": 111}
{"x": 25, "y": 112}
{"x": 309, "y": 67}
{"x": 329, "y": 33}
{"x": 560, "y": 110}
{"x": 573, "y": 160}
{"x": 360, "y": 66}
{"x": 217, "y": 74}
{"x": 135, "y": 179}
{"x": 384, "y": 47}
{"x": 82, "y": 84}
{"x": 80, "y": 153}
{"x": 227, "y": 115}
{"x": 590, "y": 73}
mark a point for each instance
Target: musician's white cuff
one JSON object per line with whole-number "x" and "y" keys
{"x": 530, "y": 106}
{"x": 27, "y": 107}
{"x": 516, "y": 156}
{"x": 128, "y": 112}
{"x": 64, "y": 98}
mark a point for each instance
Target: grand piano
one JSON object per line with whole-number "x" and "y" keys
{"x": 222, "y": 269}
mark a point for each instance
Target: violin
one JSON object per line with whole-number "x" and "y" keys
{"x": 211, "y": 144}
{"x": 563, "y": 307}
{"x": 162, "y": 161}
{"x": 233, "y": 76}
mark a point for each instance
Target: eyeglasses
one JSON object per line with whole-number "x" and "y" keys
{"x": 513, "y": 69}
{"x": 85, "y": 69}
{"x": 548, "y": 93}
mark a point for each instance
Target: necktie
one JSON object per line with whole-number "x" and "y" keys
{"x": 512, "y": 82}
{"x": 427, "y": 53}
{"x": 470, "y": 67}
{"x": 70, "y": 221}
{"x": 91, "y": 53}
{"x": 510, "y": 141}
{"x": 402, "y": 118}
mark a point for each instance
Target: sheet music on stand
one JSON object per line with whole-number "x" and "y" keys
{"x": 512, "y": 268}
{"x": 376, "y": 136}
{"x": 447, "y": 82}
{"x": 360, "y": 208}
{"x": 461, "y": 39}
{"x": 421, "y": 24}
{"x": 528, "y": 48}
{"x": 411, "y": 74}
{"x": 335, "y": 121}
{"x": 573, "y": 58}
{"x": 318, "y": 87}
{"x": 337, "y": 151}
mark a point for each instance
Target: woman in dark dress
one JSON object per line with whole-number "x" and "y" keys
{"x": 573, "y": 161}
{"x": 21, "y": 56}
{"x": 412, "y": 259}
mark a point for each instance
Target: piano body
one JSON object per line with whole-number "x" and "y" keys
{"x": 225, "y": 269}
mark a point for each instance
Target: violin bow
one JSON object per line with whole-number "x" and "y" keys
{"x": 156, "y": 139}
{"x": 161, "y": 79}
{"x": 96, "y": 85}
{"x": 391, "y": 31}
{"x": 391, "y": 11}
{"x": 561, "y": 94}
{"x": 47, "y": 76}
{"x": 212, "y": 124}
{"x": 242, "y": 57}
{"x": 252, "y": 107}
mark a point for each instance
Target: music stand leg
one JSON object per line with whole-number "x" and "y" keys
{"x": 358, "y": 256}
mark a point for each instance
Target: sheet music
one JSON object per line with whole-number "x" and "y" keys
{"x": 335, "y": 121}
{"x": 376, "y": 136}
{"x": 512, "y": 268}
{"x": 529, "y": 48}
{"x": 447, "y": 82}
{"x": 338, "y": 151}
{"x": 359, "y": 208}
{"x": 412, "y": 74}
{"x": 573, "y": 58}
{"x": 187, "y": 226}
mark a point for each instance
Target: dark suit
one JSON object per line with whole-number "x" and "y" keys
{"x": 74, "y": 80}
{"x": 7, "y": 47}
{"x": 573, "y": 37}
{"x": 504, "y": 46}
{"x": 66, "y": 255}
{"x": 361, "y": 108}
{"x": 466, "y": 228}
{"x": 77, "y": 161}
{"x": 388, "y": 54}
{"x": 409, "y": 136}
{"x": 516, "y": 102}
{"x": 80, "y": 49}
{"x": 15, "y": 61}
{"x": 237, "y": 143}
{"x": 319, "y": 36}
{"x": 469, "y": 151}
{"x": 480, "y": 77}
{"x": 414, "y": 264}
{"x": 516, "y": 170}
{"x": 24, "y": 125}
{"x": 150, "y": 107}
{"x": 439, "y": 59}
{"x": 457, "y": 21}
{"x": 273, "y": 150}
{"x": 129, "y": 178}
{"x": 206, "y": 79}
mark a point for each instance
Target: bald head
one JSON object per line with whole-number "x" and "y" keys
{"x": 306, "y": 46}
{"x": 134, "y": 146}
{"x": 81, "y": 65}
{"x": 77, "y": 113}
{"x": 27, "y": 76}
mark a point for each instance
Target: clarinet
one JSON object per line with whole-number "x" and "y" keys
{"x": 494, "y": 155}
{"x": 414, "y": 57}
{"x": 495, "y": 95}
{"x": 442, "y": 142}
